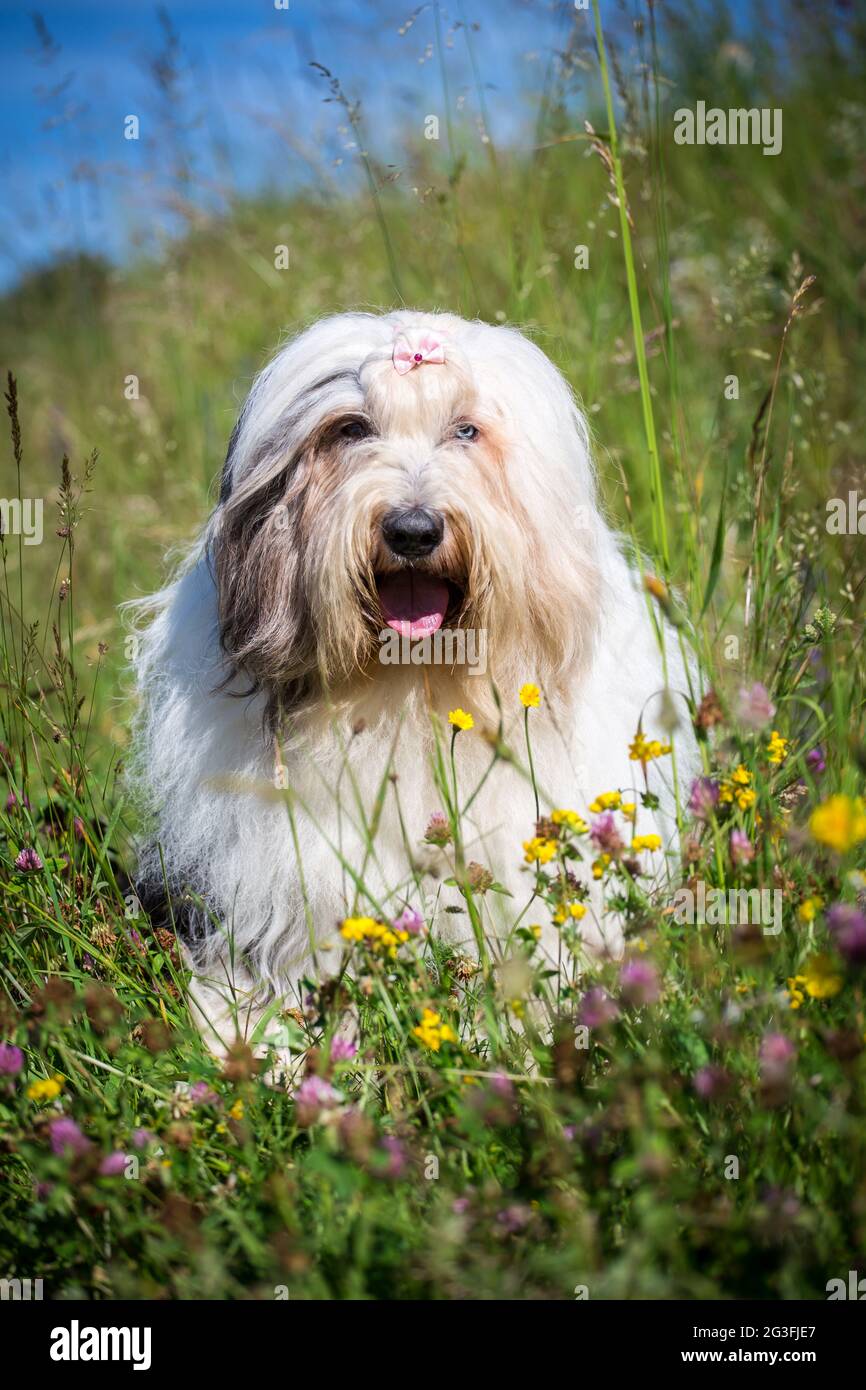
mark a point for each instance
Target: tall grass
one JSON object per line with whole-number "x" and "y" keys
{"x": 467, "y": 1150}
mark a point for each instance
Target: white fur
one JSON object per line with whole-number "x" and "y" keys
{"x": 559, "y": 600}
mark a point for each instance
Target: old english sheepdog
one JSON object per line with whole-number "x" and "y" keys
{"x": 392, "y": 480}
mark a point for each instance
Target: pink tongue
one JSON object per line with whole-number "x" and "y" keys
{"x": 413, "y": 604}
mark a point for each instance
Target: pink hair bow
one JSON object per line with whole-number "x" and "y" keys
{"x": 427, "y": 348}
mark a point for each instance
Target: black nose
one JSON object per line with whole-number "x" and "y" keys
{"x": 414, "y": 532}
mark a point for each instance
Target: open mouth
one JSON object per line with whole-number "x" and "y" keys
{"x": 416, "y": 604}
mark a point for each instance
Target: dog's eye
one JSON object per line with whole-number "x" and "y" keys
{"x": 467, "y": 432}
{"x": 355, "y": 429}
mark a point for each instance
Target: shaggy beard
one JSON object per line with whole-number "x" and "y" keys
{"x": 299, "y": 607}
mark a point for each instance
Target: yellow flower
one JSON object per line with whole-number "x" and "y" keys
{"x": 809, "y": 908}
{"x": 432, "y": 1032}
{"x": 795, "y": 993}
{"x": 571, "y": 819}
{"x": 629, "y": 810}
{"x": 777, "y": 748}
{"x": 644, "y": 750}
{"x": 599, "y": 865}
{"x": 535, "y": 929}
{"x": 49, "y": 1089}
{"x": 460, "y": 719}
{"x": 237, "y": 1110}
{"x": 373, "y": 934}
{"x": 651, "y": 842}
{"x": 530, "y": 696}
{"x": 821, "y": 978}
{"x": 839, "y": 822}
{"x": 538, "y": 850}
{"x": 577, "y": 910}
{"x": 606, "y": 801}
{"x": 738, "y": 788}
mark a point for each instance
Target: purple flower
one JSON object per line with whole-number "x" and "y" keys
{"x": 502, "y": 1085}
{"x": 113, "y": 1164}
{"x": 604, "y": 834}
{"x": 12, "y": 801}
{"x": 342, "y": 1049}
{"x": 709, "y": 1082}
{"x": 200, "y": 1093}
{"x": 460, "y": 1205}
{"x": 847, "y": 925}
{"x": 410, "y": 921}
{"x": 704, "y": 797}
{"x": 141, "y": 1138}
{"x": 65, "y": 1134}
{"x": 28, "y": 860}
{"x": 514, "y": 1218}
{"x": 313, "y": 1096}
{"x": 438, "y": 830}
{"x": 742, "y": 849}
{"x": 754, "y": 706}
{"x": 777, "y": 1056}
{"x": 597, "y": 1008}
{"x": 639, "y": 982}
{"x": 11, "y": 1059}
{"x": 396, "y": 1165}
{"x": 815, "y": 761}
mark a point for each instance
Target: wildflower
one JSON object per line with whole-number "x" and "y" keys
{"x": 514, "y": 1218}
{"x": 809, "y": 908}
{"x": 47, "y": 1089}
{"x": 538, "y": 850}
{"x": 629, "y": 810}
{"x": 28, "y": 861}
{"x": 639, "y": 983}
{"x": 438, "y": 830}
{"x": 847, "y": 925}
{"x": 409, "y": 921}
{"x": 200, "y": 1093}
{"x": 530, "y": 696}
{"x": 459, "y": 719}
{"x": 738, "y": 788}
{"x": 650, "y": 842}
{"x": 65, "y": 1134}
{"x": 821, "y": 978}
{"x": 432, "y": 1032}
{"x": 711, "y": 1081}
{"x": 704, "y": 797}
{"x": 742, "y": 849}
{"x": 343, "y": 1050}
{"x": 12, "y": 801}
{"x": 597, "y": 1008}
{"x": 502, "y": 1085}
{"x": 374, "y": 935}
{"x": 796, "y": 996}
{"x": 313, "y": 1097}
{"x": 815, "y": 761}
{"x": 777, "y": 748}
{"x": 141, "y": 1138}
{"x": 237, "y": 1110}
{"x": 478, "y": 878}
{"x": 599, "y": 865}
{"x": 570, "y": 819}
{"x": 709, "y": 712}
{"x": 396, "y": 1165}
{"x": 754, "y": 706}
{"x": 777, "y": 1053}
{"x": 644, "y": 750}
{"x": 604, "y": 834}
{"x": 11, "y": 1059}
{"x": 606, "y": 801}
{"x": 113, "y": 1164}
{"x": 839, "y": 822}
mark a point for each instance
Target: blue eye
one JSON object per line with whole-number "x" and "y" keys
{"x": 467, "y": 432}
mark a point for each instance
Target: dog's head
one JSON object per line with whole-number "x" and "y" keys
{"x": 405, "y": 472}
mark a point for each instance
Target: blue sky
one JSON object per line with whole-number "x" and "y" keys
{"x": 248, "y": 108}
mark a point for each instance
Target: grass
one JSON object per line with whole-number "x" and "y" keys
{"x": 709, "y": 1141}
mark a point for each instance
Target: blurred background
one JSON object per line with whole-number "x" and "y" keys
{"x": 283, "y": 168}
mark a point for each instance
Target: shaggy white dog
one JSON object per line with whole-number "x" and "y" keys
{"x": 392, "y": 476}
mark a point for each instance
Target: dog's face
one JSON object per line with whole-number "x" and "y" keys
{"x": 404, "y": 472}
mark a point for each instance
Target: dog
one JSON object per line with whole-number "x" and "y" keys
{"x": 392, "y": 478}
